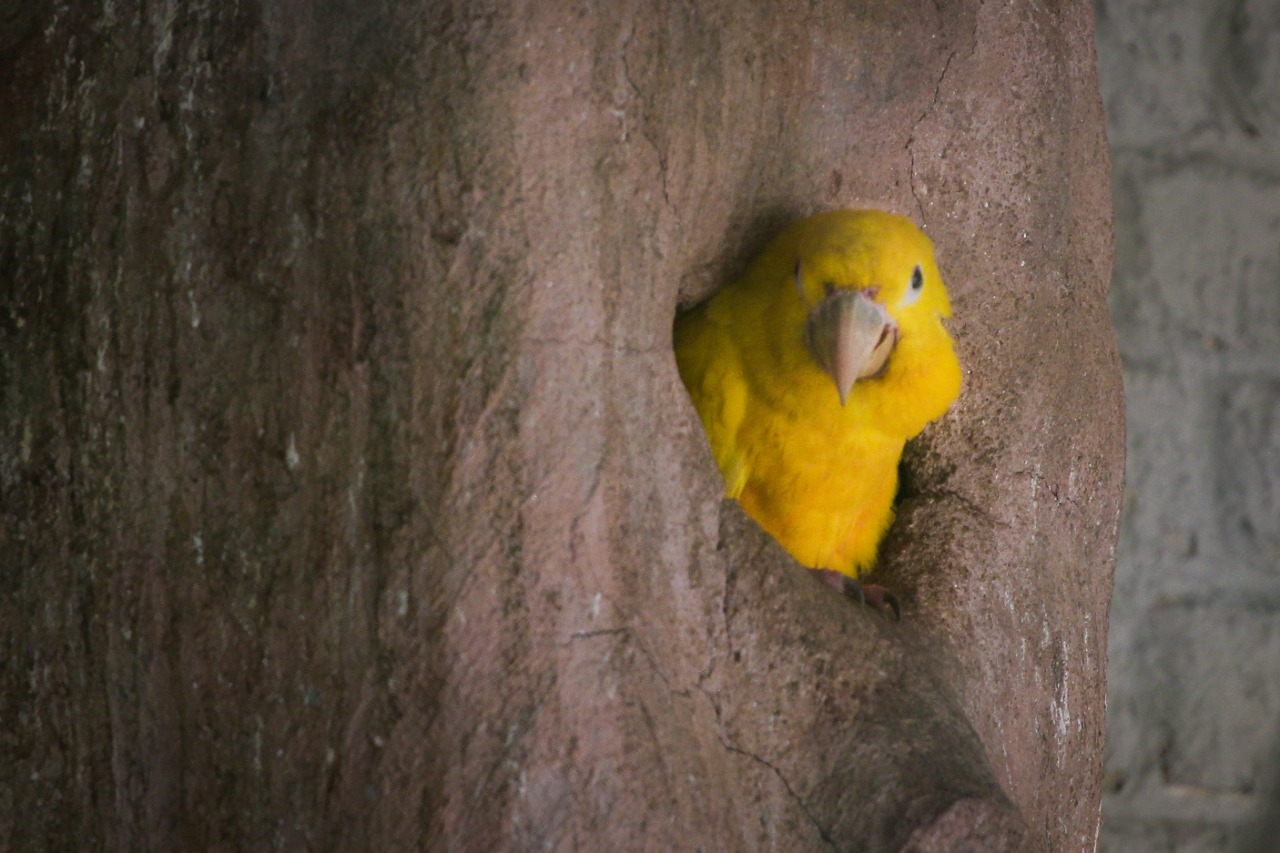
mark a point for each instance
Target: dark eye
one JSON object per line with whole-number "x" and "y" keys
{"x": 917, "y": 285}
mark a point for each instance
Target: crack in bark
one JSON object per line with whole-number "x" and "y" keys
{"x": 822, "y": 831}
{"x": 965, "y": 503}
{"x": 1055, "y": 491}
{"x": 730, "y": 575}
{"x": 599, "y": 341}
{"x": 746, "y": 753}
{"x": 721, "y": 735}
{"x": 644, "y": 131}
{"x": 623, "y": 631}
{"x": 911, "y": 137}
{"x": 626, "y": 632}
{"x": 575, "y": 526}
{"x": 516, "y": 732}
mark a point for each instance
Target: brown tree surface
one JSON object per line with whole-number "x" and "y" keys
{"x": 351, "y": 499}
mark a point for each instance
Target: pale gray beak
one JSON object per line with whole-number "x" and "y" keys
{"x": 850, "y": 337}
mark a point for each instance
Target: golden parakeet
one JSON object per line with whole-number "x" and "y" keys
{"x": 812, "y": 371}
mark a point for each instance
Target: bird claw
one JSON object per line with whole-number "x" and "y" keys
{"x": 871, "y": 594}
{"x": 881, "y": 599}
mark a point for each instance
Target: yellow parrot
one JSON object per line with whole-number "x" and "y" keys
{"x": 812, "y": 371}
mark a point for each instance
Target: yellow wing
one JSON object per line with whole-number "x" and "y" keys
{"x": 712, "y": 370}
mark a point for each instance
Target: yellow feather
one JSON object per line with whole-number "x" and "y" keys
{"x": 820, "y": 477}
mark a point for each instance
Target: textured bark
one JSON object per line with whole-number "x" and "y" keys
{"x": 351, "y": 497}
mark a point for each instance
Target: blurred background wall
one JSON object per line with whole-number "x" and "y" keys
{"x": 1192, "y": 92}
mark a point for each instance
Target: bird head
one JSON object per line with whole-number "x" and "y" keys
{"x": 868, "y": 279}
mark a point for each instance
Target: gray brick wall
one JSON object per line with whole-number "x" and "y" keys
{"x": 1192, "y": 91}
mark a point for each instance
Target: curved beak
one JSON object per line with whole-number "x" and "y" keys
{"x": 850, "y": 337}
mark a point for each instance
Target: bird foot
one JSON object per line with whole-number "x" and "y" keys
{"x": 870, "y": 594}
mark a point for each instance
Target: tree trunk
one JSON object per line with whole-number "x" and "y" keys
{"x": 351, "y": 499}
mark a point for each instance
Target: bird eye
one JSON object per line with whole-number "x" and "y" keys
{"x": 916, "y": 286}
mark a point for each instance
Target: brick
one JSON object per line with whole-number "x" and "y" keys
{"x": 1192, "y": 93}
{"x": 1165, "y": 837}
{"x": 1154, "y": 69}
{"x": 1169, "y": 516}
{"x": 1203, "y": 708}
{"x": 1198, "y": 273}
{"x": 1170, "y": 70}
{"x": 1244, "y": 40}
{"x": 1247, "y": 469}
